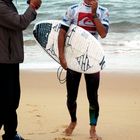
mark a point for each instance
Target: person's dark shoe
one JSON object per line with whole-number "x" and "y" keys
{"x": 18, "y": 137}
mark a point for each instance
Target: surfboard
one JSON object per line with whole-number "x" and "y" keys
{"x": 83, "y": 52}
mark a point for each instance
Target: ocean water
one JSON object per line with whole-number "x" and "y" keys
{"x": 122, "y": 44}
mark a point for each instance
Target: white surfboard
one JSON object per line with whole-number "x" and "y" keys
{"x": 83, "y": 51}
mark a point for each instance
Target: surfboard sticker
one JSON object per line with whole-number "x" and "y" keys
{"x": 83, "y": 51}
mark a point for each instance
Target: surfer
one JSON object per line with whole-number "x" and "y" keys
{"x": 11, "y": 54}
{"x": 94, "y": 18}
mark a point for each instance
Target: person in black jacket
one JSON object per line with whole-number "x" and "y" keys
{"x": 11, "y": 55}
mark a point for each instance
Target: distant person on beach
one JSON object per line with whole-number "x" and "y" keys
{"x": 94, "y": 18}
{"x": 11, "y": 55}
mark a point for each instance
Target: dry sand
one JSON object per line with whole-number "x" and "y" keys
{"x": 43, "y": 113}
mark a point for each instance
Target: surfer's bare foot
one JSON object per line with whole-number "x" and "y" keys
{"x": 93, "y": 134}
{"x": 68, "y": 131}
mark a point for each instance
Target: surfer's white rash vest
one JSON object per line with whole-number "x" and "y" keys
{"x": 80, "y": 14}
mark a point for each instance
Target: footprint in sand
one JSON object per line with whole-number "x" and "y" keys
{"x": 55, "y": 131}
{"x": 62, "y": 139}
{"x": 64, "y": 126}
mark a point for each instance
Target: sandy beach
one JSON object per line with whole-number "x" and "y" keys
{"x": 43, "y": 113}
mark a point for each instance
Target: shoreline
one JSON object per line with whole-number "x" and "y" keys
{"x": 108, "y": 70}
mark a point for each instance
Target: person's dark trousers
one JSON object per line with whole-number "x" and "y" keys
{"x": 9, "y": 99}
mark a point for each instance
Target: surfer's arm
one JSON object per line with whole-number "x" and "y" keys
{"x": 101, "y": 29}
{"x": 61, "y": 44}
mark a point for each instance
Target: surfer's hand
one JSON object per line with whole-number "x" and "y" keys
{"x": 63, "y": 62}
{"x": 35, "y": 4}
{"x": 94, "y": 5}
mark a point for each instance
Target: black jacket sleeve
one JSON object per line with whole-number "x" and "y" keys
{"x": 9, "y": 18}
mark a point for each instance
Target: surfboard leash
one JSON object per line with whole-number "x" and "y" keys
{"x": 59, "y": 75}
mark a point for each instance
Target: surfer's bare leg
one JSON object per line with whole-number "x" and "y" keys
{"x": 68, "y": 131}
{"x": 93, "y": 134}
